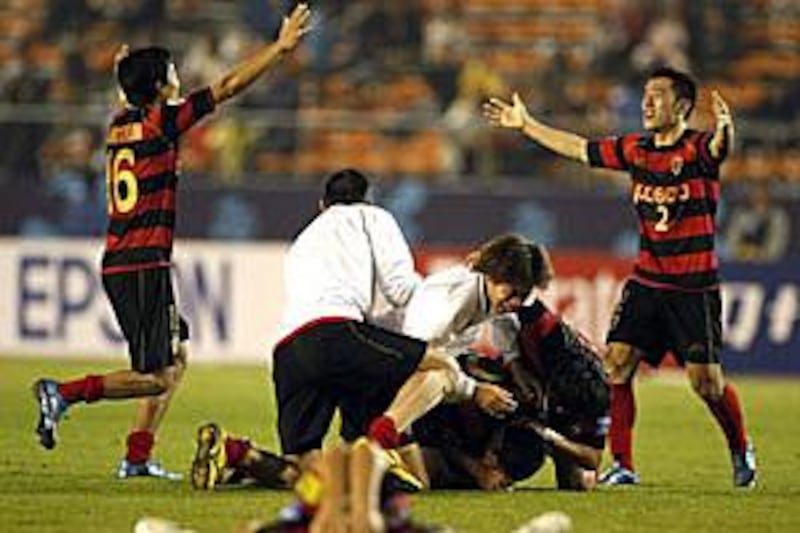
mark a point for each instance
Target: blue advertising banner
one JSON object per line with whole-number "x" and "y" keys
{"x": 761, "y": 317}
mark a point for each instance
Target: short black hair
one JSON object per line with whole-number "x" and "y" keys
{"x": 521, "y": 453}
{"x": 347, "y": 186}
{"x": 682, "y": 83}
{"x": 140, "y": 73}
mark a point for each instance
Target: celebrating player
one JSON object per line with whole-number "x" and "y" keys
{"x": 672, "y": 301}
{"x": 142, "y": 179}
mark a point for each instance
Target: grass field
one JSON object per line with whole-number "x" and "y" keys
{"x": 680, "y": 454}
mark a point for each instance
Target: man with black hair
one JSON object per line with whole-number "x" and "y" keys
{"x": 672, "y": 301}
{"x": 142, "y": 178}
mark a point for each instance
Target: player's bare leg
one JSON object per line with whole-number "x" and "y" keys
{"x": 434, "y": 379}
{"x": 620, "y": 363}
{"x": 422, "y": 392}
{"x": 723, "y": 401}
{"x": 150, "y": 412}
{"x": 366, "y": 470}
{"x": 332, "y": 514}
{"x": 437, "y": 377}
{"x": 54, "y": 398}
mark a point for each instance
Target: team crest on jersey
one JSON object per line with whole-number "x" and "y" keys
{"x": 676, "y": 165}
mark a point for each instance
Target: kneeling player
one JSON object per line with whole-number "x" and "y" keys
{"x": 558, "y": 379}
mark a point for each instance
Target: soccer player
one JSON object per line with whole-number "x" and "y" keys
{"x": 558, "y": 379}
{"x": 672, "y": 300}
{"x": 142, "y": 179}
{"x": 496, "y": 279}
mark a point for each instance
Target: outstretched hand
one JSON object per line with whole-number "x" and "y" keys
{"x": 294, "y": 27}
{"x": 503, "y": 114}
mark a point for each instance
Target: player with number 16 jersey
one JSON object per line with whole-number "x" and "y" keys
{"x": 142, "y": 180}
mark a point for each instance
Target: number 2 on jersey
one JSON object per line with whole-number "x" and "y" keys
{"x": 663, "y": 222}
{"x": 122, "y": 187}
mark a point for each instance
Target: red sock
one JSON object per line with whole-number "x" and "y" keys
{"x": 88, "y": 389}
{"x": 728, "y": 413}
{"x": 140, "y": 444}
{"x": 383, "y": 431}
{"x": 623, "y": 414}
{"x": 236, "y": 450}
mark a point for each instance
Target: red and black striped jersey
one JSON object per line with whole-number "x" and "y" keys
{"x": 675, "y": 190}
{"x": 568, "y": 367}
{"x": 142, "y": 178}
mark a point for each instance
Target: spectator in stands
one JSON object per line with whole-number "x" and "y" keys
{"x": 463, "y": 150}
{"x": 666, "y": 42}
{"x": 758, "y": 231}
{"x": 711, "y": 24}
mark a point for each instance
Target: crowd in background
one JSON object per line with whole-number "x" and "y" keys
{"x": 395, "y": 87}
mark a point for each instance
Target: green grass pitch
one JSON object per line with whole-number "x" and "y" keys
{"x": 680, "y": 454}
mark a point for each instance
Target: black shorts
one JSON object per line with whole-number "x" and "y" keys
{"x": 521, "y": 454}
{"x": 689, "y": 324}
{"x": 144, "y": 305}
{"x": 349, "y": 365}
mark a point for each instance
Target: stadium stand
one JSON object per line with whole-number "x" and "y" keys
{"x": 396, "y": 87}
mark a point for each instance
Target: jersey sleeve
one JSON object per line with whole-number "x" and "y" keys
{"x": 181, "y": 115}
{"x": 608, "y": 152}
{"x": 396, "y": 278}
{"x": 703, "y": 145}
{"x": 432, "y": 311}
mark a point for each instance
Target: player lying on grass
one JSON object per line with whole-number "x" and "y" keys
{"x": 142, "y": 179}
{"x": 558, "y": 379}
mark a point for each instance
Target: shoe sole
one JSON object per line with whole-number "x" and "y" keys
{"x": 47, "y": 437}
{"x": 204, "y": 468}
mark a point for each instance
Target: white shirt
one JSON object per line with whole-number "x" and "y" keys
{"x": 341, "y": 261}
{"x": 446, "y": 304}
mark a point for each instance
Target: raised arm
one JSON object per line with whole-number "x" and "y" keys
{"x": 722, "y": 142}
{"x": 243, "y": 75}
{"x": 514, "y": 115}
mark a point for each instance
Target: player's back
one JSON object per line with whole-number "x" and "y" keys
{"x": 334, "y": 267}
{"x": 445, "y": 304}
{"x": 141, "y": 181}
{"x": 571, "y": 371}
